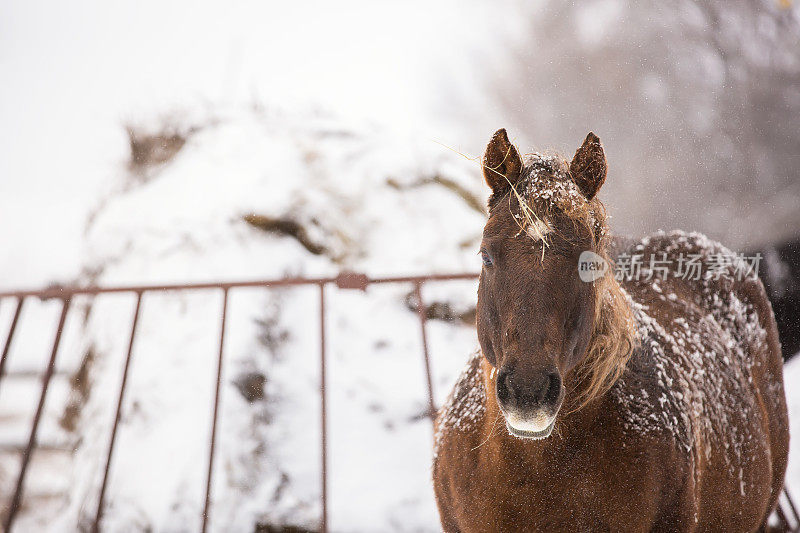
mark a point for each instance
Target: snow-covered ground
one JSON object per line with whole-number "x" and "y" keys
{"x": 354, "y": 189}
{"x": 791, "y": 380}
{"x": 337, "y": 115}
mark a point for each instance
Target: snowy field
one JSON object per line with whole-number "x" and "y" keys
{"x": 250, "y": 123}
{"x": 187, "y": 220}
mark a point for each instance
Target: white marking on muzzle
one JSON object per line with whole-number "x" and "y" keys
{"x": 534, "y": 424}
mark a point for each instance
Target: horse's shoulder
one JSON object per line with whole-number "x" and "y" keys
{"x": 465, "y": 407}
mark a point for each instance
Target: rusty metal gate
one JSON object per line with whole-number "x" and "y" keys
{"x": 345, "y": 280}
{"x": 786, "y": 512}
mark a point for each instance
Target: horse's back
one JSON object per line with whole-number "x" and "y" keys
{"x": 708, "y": 372}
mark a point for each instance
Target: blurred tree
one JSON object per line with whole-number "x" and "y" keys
{"x": 697, "y": 102}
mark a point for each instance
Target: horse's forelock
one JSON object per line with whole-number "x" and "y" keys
{"x": 545, "y": 186}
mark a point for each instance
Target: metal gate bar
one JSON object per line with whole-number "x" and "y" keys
{"x": 26, "y": 455}
{"x": 323, "y": 393}
{"x": 791, "y": 507}
{"x": 122, "y": 386}
{"x": 10, "y": 336}
{"x": 345, "y": 280}
{"x": 422, "y": 313}
{"x": 207, "y": 504}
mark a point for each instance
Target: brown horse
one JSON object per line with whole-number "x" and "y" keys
{"x": 654, "y": 403}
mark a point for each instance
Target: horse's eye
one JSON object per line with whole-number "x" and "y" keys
{"x": 487, "y": 259}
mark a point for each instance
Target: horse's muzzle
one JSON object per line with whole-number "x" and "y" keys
{"x": 528, "y": 402}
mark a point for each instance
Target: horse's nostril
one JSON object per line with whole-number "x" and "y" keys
{"x": 553, "y": 390}
{"x": 540, "y": 390}
{"x": 515, "y": 390}
{"x": 503, "y": 385}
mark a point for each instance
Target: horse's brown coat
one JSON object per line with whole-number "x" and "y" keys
{"x": 692, "y": 437}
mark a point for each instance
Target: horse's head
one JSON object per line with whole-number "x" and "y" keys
{"x": 536, "y": 318}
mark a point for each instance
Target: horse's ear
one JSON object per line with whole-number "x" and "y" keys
{"x": 501, "y": 162}
{"x": 588, "y": 167}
